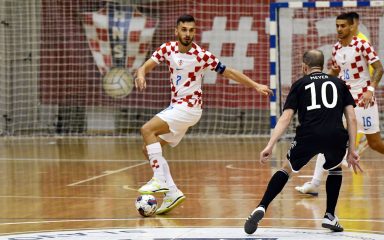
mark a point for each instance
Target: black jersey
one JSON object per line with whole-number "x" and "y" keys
{"x": 320, "y": 100}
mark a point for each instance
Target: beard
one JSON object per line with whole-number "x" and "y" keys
{"x": 186, "y": 42}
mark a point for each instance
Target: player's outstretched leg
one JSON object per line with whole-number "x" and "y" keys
{"x": 170, "y": 201}
{"x": 253, "y": 220}
{"x": 332, "y": 222}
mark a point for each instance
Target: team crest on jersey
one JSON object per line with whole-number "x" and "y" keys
{"x": 180, "y": 62}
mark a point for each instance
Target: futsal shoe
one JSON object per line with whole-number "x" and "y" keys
{"x": 253, "y": 220}
{"x": 154, "y": 186}
{"x": 308, "y": 188}
{"x": 170, "y": 201}
{"x": 332, "y": 222}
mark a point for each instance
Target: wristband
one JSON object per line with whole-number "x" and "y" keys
{"x": 371, "y": 89}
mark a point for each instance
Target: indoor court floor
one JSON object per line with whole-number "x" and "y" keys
{"x": 85, "y": 188}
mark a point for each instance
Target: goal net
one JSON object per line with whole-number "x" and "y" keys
{"x": 55, "y": 55}
{"x": 304, "y": 26}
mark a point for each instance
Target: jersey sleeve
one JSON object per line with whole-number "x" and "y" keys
{"x": 334, "y": 63}
{"x": 159, "y": 55}
{"x": 369, "y": 52}
{"x": 210, "y": 60}
{"x": 292, "y": 101}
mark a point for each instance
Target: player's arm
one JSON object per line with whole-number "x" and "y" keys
{"x": 377, "y": 73}
{"x": 367, "y": 97}
{"x": 352, "y": 157}
{"x": 281, "y": 126}
{"x": 243, "y": 79}
{"x": 140, "y": 82}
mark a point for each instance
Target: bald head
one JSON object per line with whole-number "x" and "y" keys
{"x": 314, "y": 59}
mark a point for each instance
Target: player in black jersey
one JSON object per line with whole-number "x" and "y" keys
{"x": 320, "y": 100}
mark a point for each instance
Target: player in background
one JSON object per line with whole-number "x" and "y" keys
{"x": 362, "y": 71}
{"x": 320, "y": 100}
{"x": 361, "y": 141}
{"x": 187, "y": 63}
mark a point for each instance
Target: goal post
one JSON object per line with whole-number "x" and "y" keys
{"x": 296, "y": 27}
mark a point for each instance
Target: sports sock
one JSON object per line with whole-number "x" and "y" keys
{"x": 275, "y": 185}
{"x": 169, "y": 180}
{"x": 333, "y": 184}
{"x": 319, "y": 171}
{"x": 156, "y": 160}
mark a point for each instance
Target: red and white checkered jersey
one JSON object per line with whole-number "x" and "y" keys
{"x": 353, "y": 62}
{"x": 187, "y": 70}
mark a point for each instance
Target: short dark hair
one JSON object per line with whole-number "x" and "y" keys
{"x": 354, "y": 15}
{"x": 185, "y": 18}
{"x": 314, "y": 58}
{"x": 345, "y": 16}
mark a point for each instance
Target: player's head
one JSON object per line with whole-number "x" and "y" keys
{"x": 355, "y": 16}
{"x": 185, "y": 29}
{"x": 344, "y": 26}
{"x": 312, "y": 60}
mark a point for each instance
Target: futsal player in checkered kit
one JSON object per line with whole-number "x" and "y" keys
{"x": 353, "y": 59}
{"x": 187, "y": 63}
{"x": 320, "y": 100}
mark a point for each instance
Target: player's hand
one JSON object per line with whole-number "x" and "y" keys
{"x": 366, "y": 99}
{"x": 353, "y": 160}
{"x": 264, "y": 89}
{"x": 140, "y": 83}
{"x": 266, "y": 154}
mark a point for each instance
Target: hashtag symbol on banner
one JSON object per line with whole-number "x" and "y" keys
{"x": 240, "y": 39}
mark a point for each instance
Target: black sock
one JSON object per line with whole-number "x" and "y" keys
{"x": 275, "y": 185}
{"x": 334, "y": 179}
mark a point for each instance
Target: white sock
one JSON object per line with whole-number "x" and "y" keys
{"x": 156, "y": 160}
{"x": 169, "y": 180}
{"x": 319, "y": 171}
{"x": 160, "y": 166}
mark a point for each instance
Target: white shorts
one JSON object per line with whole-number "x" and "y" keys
{"x": 367, "y": 119}
{"x": 179, "y": 118}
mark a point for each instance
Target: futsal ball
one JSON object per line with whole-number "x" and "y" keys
{"x": 118, "y": 83}
{"x": 146, "y": 205}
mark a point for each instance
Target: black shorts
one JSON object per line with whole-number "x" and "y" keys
{"x": 304, "y": 148}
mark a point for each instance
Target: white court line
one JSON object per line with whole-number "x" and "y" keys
{"x": 184, "y": 219}
{"x": 106, "y": 174}
{"x": 123, "y": 160}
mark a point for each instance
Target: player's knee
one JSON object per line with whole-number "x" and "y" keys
{"x": 336, "y": 171}
{"x": 145, "y": 130}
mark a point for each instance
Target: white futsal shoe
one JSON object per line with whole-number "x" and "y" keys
{"x": 154, "y": 185}
{"x": 170, "y": 201}
{"x": 308, "y": 188}
{"x": 332, "y": 222}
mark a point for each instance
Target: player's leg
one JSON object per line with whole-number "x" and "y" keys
{"x": 301, "y": 151}
{"x": 179, "y": 120}
{"x": 333, "y": 185}
{"x": 334, "y": 153}
{"x": 174, "y": 197}
{"x": 153, "y": 151}
{"x": 275, "y": 185}
{"x": 312, "y": 187}
{"x": 375, "y": 142}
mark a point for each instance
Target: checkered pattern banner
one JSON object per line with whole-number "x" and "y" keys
{"x": 118, "y": 36}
